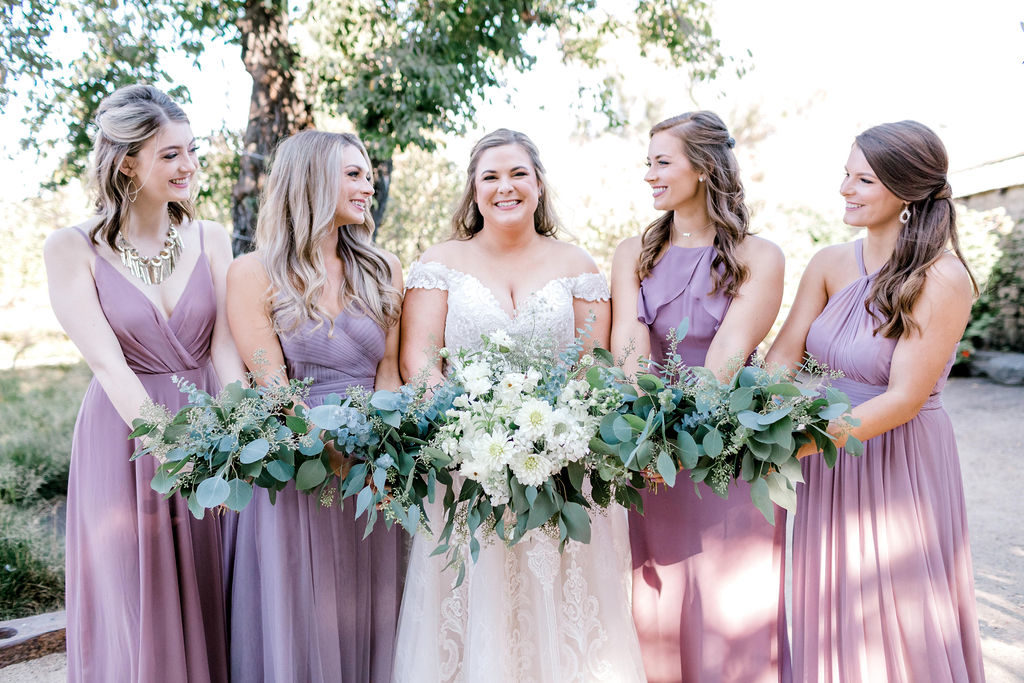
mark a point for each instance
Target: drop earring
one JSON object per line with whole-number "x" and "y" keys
{"x": 905, "y": 214}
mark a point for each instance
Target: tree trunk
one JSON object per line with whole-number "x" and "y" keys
{"x": 381, "y": 189}
{"x": 277, "y": 107}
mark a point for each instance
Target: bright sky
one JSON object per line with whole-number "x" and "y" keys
{"x": 822, "y": 72}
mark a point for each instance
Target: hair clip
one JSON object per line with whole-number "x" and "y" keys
{"x": 731, "y": 142}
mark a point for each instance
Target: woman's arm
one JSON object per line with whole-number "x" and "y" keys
{"x": 248, "y": 313}
{"x": 77, "y": 307}
{"x": 627, "y": 333}
{"x": 388, "y": 377}
{"x": 753, "y": 309}
{"x": 920, "y": 357}
{"x": 811, "y": 297}
{"x": 423, "y": 318}
{"x": 226, "y": 361}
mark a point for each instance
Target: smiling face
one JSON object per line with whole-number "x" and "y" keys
{"x": 165, "y": 166}
{"x": 505, "y": 186}
{"x": 673, "y": 180}
{"x": 869, "y": 203}
{"x": 356, "y": 188}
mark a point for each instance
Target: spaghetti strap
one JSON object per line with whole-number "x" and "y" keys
{"x": 859, "y": 250}
{"x": 92, "y": 245}
{"x": 202, "y": 242}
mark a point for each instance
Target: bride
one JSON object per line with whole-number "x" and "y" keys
{"x": 526, "y": 613}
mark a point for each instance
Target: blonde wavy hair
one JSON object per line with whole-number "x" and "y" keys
{"x": 468, "y": 220}
{"x": 708, "y": 146}
{"x": 297, "y": 212}
{"x": 125, "y": 120}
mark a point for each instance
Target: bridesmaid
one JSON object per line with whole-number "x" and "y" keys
{"x": 883, "y": 588}
{"x": 141, "y": 604}
{"x": 706, "y": 571}
{"x": 312, "y": 601}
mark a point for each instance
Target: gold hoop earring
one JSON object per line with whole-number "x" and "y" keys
{"x": 128, "y": 190}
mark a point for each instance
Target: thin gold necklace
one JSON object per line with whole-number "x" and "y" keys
{"x": 153, "y": 269}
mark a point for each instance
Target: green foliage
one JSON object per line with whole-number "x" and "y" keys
{"x": 220, "y": 167}
{"x": 424, "y": 191}
{"x": 28, "y": 585}
{"x": 997, "y": 318}
{"x": 38, "y": 407}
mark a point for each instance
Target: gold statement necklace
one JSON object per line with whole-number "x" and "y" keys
{"x": 153, "y": 269}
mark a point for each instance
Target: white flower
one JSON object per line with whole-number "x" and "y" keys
{"x": 587, "y": 360}
{"x": 494, "y": 449}
{"x": 474, "y": 469}
{"x": 533, "y": 418}
{"x": 531, "y": 469}
{"x": 476, "y": 378}
{"x": 461, "y": 401}
{"x": 532, "y": 378}
{"x": 496, "y": 487}
{"x": 501, "y": 338}
{"x": 510, "y": 387}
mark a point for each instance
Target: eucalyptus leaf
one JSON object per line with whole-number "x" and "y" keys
{"x": 212, "y": 492}
{"x": 604, "y": 355}
{"x": 779, "y": 491}
{"x": 310, "y": 474}
{"x": 761, "y": 497}
{"x": 854, "y": 446}
{"x": 666, "y": 468}
{"x": 240, "y": 494}
{"x": 363, "y": 500}
{"x": 386, "y": 400}
{"x": 833, "y": 411}
{"x": 197, "y": 510}
{"x": 280, "y": 470}
{"x": 577, "y": 522}
{"x": 688, "y": 453}
{"x": 163, "y": 482}
{"x": 713, "y": 443}
{"x": 784, "y": 389}
{"x": 325, "y": 416}
{"x": 254, "y": 450}
{"x": 741, "y": 399}
{"x": 750, "y": 420}
{"x": 775, "y": 415}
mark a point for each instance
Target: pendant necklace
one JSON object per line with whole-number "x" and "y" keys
{"x": 153, "y": 269}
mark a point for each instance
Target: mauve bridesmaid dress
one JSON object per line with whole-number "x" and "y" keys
{"x": 883, "y": 588}
{"x": 707, "y": 572}
{"x": 312, "y": 602}
{"x": 145, "y": 598}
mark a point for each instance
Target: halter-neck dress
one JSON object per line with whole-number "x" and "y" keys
{"x": 883, "y": 588}
{"x": 311, "y": 600}
{"x": 145, "y": 600}
{"x": 707, "y": 572}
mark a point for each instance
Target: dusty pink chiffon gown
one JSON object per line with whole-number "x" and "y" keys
{"x": 883, "y": 588}
{"x": 145, "y": 599}
{"x": 312, "y": 601}
{"x": 707, "y": 572}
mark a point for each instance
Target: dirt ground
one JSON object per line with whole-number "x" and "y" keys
{"x": 987, "y": 418}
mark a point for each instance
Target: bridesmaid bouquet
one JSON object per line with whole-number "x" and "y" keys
{"x": 519, "y": 433}
{"x": 748, "y": 428}
{"x": 385, "y": 432}
{"x": 215, "y": 448}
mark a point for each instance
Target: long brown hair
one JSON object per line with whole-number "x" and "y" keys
{"x": 468, "y": 220}
{"x": 296, "y": 213}
{"x": 910, "y": 160}
{"x": 708, "y": 146}
{"x": 125, "y": 120}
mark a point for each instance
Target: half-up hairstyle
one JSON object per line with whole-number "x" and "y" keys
{"x": 297, "y": 212}
{"x": 910, "y": 160}
{"x": 468, "y": 220}
{"x": 708, "y": 146}
{"x": 125, "y": 120}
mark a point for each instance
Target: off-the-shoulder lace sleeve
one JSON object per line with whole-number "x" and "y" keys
{"x": 427, "y": 275}
{"x": 591, "y": 287}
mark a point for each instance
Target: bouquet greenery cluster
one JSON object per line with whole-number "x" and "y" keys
{"x": 748, "y": 428}
{"x": 215, "y": 448}
{"x": 384, "y": 432}
{"x": 518, "y": 435}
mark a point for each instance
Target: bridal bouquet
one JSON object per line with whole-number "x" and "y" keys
{"x": 519, "y": 433}
{"x": 215, "y": 448}
{"x": 748, "y": 428}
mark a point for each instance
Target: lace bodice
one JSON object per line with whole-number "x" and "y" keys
{"x": 473, "y": 309}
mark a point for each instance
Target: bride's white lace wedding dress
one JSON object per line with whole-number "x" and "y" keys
{"x": 525, "y": 614}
